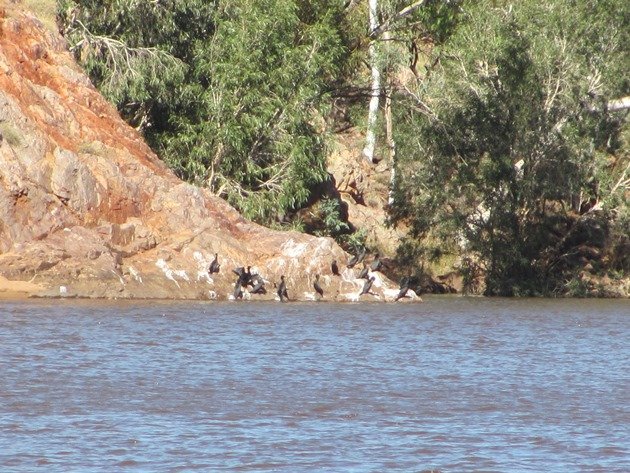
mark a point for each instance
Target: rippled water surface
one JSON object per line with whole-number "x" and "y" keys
{"x": 453, "y": 384}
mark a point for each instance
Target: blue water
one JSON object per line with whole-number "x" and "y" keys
{"x": 453, "y": 384}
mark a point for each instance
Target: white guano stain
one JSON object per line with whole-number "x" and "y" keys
{"x": 378, "y": 278}
{"x": 390, "y": 293}
{"x": 168, "y": 272}
{"x": 293, "y": 249}
{"x": 181, "y": 274}
{"x": 204, "y": 276}
{"x": 350, "y": 296}
{"x": 135, "y": 274}
{"x": 202, "y": 267}
{"x": 122, "y": 281}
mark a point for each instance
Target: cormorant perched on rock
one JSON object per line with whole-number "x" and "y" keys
{"x": 367, "y": 286}
{"x": 258, "y": 285}
{"x": 238, "y": 290}
{"x": 404, "y": 287}
{"x": 244, "y": 277}
{"x": 214, "y": 265}
{"x": 361, "y": 256}
{"x": 353, "y": 261}
{"x": 335, "y": 268}
{"x": 364, "y": 272}
{"x": 317, "y": 287}
{"x": 376, "y": 264}
{"x": 282, "y": 290}
{"x": 356, "y": 259}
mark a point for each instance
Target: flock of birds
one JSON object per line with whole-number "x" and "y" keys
{"x": 246, "y": 279}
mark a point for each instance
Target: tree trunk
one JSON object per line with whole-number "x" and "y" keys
{"x": 619, "y": 104}
{"x": 391, "y": 144}
{"x": 616, "y": 105}
{"x": 375, "y": 90}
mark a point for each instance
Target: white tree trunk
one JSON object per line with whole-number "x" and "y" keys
{"x": 389, "y": 133}
{"x": 376, "y": 30}
{"x": 619, "y": 104}
{"x": 375, "y": 89}
{"x": 615, "y": 105}
{"x": 391, "y": 145}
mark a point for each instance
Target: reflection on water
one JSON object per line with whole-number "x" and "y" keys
{"x": 454, "y": 384}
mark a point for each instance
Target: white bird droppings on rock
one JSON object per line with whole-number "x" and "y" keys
{"x": 378, "y": 278}
{"x": 168, "y": 272}
{"x": 292, "y": 249}
{"x": 135, "y": 274}
{"x": 390, "y": 293}
{"x": 180, "y": 273}
{"x": 203, "y": 275}
{"x": 122, "y": 281}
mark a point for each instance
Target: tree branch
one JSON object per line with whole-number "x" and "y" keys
{"x": 408, "y": 10}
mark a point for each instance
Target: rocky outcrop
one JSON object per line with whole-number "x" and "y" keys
{"x": 88, "y": 210}
{"x": 363, "y": 188}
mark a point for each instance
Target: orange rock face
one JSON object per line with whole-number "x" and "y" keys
{"x": 88, "y": 210}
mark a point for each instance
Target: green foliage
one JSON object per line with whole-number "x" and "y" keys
{"x": 330, "y": 215}
{"x": 510, "y": 135}
{"x": 434, "y": 21}
{"x": 577, "y": 287}
{"x": 135, "y": 52}
{"x": 254, "y": 139}
{"x": 355, "y": 241}
{"x": 230, "y": 94}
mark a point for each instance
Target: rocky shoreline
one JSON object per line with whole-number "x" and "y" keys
{"x": 88, "y": 210}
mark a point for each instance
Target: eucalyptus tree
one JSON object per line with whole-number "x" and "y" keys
{"x": 137, "y": 53}
{"x": 231, "y": 94}
{"x": 496, "y": 142}
{"x": 384, "y": 16}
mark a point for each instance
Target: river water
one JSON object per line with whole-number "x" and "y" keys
{"x": 453, "y": 384}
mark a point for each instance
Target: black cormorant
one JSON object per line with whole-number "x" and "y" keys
{"x": 317, "y": 287}
{"x": 362, "y": 256}
{"x": 376, "y": 264}
{"x": 238, "y": 291}
{"x": 356, "y": 259}
{"x": 282, "y": 290}
{"x": 367, "y": 286}
{"x": 404, "y": 287}
{"x": 245, "y": 277}
{"x": 214, "y": 265}
{"x": 335, "y": 268}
